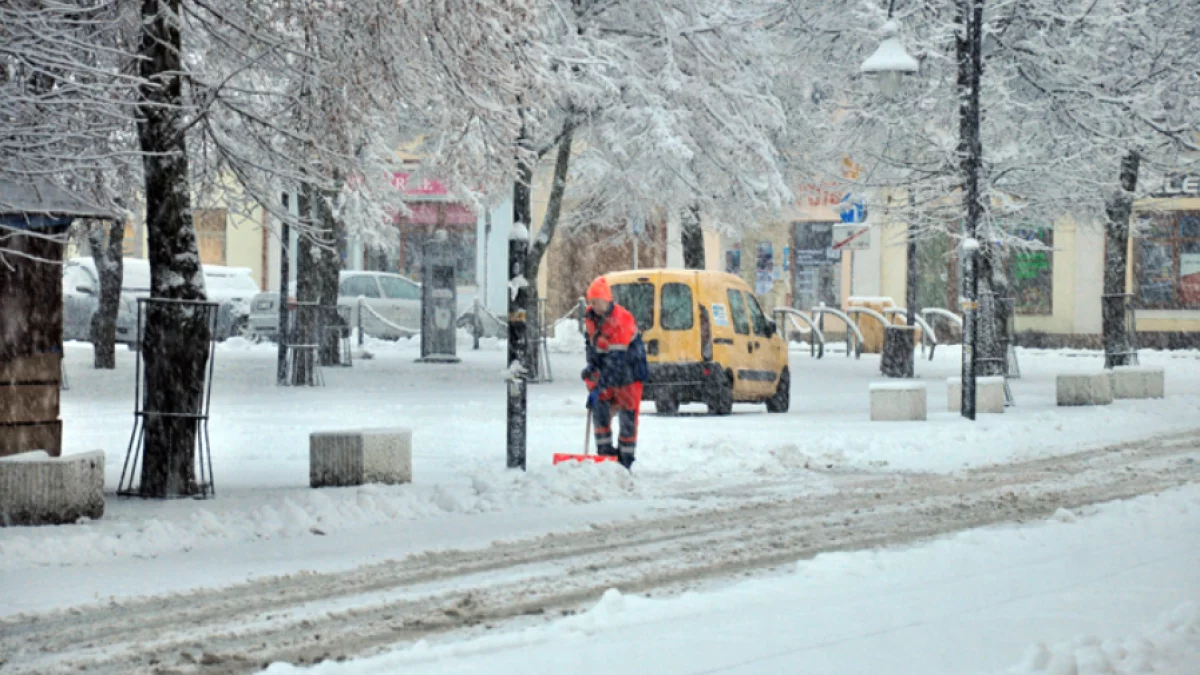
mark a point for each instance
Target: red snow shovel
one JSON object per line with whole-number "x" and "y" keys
{"x": 586, "y": 456}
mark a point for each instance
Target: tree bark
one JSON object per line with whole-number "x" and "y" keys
{"x": 537, "y": 251}
{"x": 970, "y": 71}
{"x": 106, "y": 253}
{"x": 331, "y": 238}
{"x": 518, "y": 307}
{"x": 691, "y": 236}
{"x": 1118, "y": 343}
{"x": 307, "y": 292}
{"x": 175, "y": 346}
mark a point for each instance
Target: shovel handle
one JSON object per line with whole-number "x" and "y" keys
{"x": 587, "y": 434}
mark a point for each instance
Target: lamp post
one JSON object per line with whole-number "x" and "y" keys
{"x": 888, "y": 65}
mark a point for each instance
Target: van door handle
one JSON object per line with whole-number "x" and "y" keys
{"x": 750, "y": 347}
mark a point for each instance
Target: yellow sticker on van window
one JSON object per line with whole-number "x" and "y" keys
{"x": 720, "y": 316}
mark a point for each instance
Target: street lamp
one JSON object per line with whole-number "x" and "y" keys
{"x": 889, "y": 64}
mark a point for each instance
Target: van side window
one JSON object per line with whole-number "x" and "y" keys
{"x": 639, "y": 300}
{"x": 676, "y": 307}
{"x": 756, "y": 316}
{"x": 737, "y": 307}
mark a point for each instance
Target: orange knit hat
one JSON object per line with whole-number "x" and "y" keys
{"x": 599, "y": 290}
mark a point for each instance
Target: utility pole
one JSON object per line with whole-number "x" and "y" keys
{"x": 285, "y": 239}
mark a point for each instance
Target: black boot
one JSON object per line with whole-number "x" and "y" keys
{"x": 626, "y": 459}
{"x": 606, "y": 451}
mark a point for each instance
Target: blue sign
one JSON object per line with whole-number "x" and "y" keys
{"x": 853, "y": 212}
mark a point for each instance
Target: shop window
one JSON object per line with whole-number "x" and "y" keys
{"x": 1033, "y": 271}
{"x": 1166, "y": 260}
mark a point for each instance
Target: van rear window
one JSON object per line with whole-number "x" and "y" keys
{"x": 639, "y": 300}
{"x": 676, "y": 307}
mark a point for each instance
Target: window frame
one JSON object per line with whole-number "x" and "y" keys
{"x": 730, "y": 295}
{"x": 662, "y": 303}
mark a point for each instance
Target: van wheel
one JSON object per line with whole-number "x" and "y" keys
{"x": 782, "y": 399}
{"x": 666, "y": 406}
{"x": 720, "y": 394}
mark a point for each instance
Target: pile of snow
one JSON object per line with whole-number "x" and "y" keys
{"x": 1171, "y": 645}
{"x": 126, "y": 531}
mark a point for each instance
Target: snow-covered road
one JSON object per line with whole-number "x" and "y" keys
{"x": 306, "y": 617}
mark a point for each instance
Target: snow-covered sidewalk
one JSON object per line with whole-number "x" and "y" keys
{"x": 266, "y": 520}
{"x": 1113, "y": 589}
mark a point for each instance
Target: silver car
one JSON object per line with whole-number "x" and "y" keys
{"x": 81, "y": 298}
{"x": 233, "y": 288}
{"x": 393, "y": 305}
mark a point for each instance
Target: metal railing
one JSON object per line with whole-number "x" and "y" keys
{"x": 816, "y": 339}
{"x": 854, "y": 337}
{"x": 927, "y": 334}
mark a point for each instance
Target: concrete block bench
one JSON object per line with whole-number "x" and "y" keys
{"x": 1137, "y": 382}
{"x": 898, "y": 402}
{"x": 989, "y": 394}
{"x": 1084, "y": 389}
{"x": 36, "y": 489}
{"x": 342, "y": 458}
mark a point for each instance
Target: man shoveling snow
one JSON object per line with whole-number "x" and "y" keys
{"x": 616, "y": 369}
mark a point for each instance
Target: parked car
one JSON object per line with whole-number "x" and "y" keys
{"x": 707, "y": 340}
{"x": 234, "y": 288}
{"x": 81, "y": 298}
{"x": 231, "y": 287}
{"x": 395, "y": 298}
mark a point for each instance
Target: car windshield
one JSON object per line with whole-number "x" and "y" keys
{"x": 399, "y": 289}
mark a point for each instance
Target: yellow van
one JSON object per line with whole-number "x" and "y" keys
{"x": 707, "y": 340}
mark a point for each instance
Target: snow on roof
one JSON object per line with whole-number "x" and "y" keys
{"x": 43, "y": 198}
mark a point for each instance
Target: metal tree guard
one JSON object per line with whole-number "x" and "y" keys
{"x": 203, "y": 456}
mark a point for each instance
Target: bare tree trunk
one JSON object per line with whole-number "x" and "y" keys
{"x": 329, "y": 263}
{"x": 106, "y": 253}
{"x": 307, "y": 291}
{"x": 175, "y": 347}
{"x": 1118, "y": 344}
{"x": 518, "y": 307}
{"x": 691, "y": 235}
{"x": 537, "y": 251}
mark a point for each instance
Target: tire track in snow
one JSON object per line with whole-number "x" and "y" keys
{"x": 309, "y": 617}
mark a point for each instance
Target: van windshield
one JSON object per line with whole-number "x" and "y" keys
{"x": 639, "y": 300}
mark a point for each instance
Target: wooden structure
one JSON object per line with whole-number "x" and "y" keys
{"x": 34, "y": 218}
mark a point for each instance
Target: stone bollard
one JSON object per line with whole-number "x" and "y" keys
{"x": 1084, "y": 389}
{"x": 989, "y": 394}
{"x": 1137, "y": 382}
{"x": 36, "y": 489}
{"x": 343, "y": 458}
{"x": 898, "y": 401}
